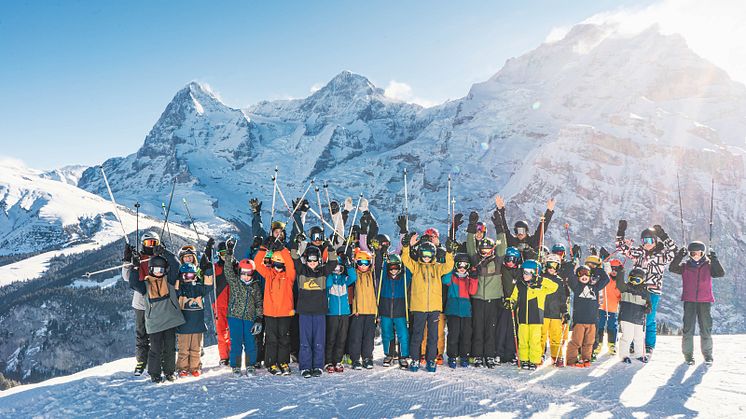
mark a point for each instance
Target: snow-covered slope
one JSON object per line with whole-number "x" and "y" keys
{"x": 663, "y": 388}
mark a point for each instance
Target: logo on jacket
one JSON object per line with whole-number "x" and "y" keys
{"x": 338, "y": 290}
{"x": 588, "y": 292}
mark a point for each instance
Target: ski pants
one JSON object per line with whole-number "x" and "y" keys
{"x": 221, "y": 327}
{"x": 553, "y": 330}
{"x": 312, "y": 328}
{"x": 611, "y": 329}
{"x": 162, "y": 356}
{"x": 459, "y": 337}
{"x": 583, "y": 336}
{"x": 650, "y": 325}
{"x": 336, "y": 338}
{"x": 390, "y": 325}
{"x": 419, "y": 321}
{"x": 361, "y": 336}
{"x": 529, "y": 343}
{"x": 484, "y": 327}
{"x": 699, "y": 312}
{"x": 259, "y": 343}
{"x": 504, "y": 334}
{"x": 441, "y": 344}
{"x": 242, "y": 341}
{"x": 295, "y": 334}
{"x": 277, "y": 340}
{"x": 631, "y": 333}
{"x": 190, "y": 351}
{"x": 142, "y": 342}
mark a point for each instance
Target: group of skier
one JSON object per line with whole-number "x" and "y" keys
{"x": 319, "y": 294}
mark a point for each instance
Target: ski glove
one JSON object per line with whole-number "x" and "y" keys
{"x": 458, "y": 219}
{"x": 622, "y": 228}
{"x": 660, "y": 232}
{"x": 509, "y": 304}
{"x": 472, "y": 227}
{"x": 365, "y": 221}
{"x": 256, "y": 205}
{"x": 683, "y": 251}
{"x": 603, "y": 253}
{"x": 257, "y": 327}
{"x": 452, "y": 245}
{"x": 565, "y": 318}
{"x": 497, "y": 222}
{"x": 401, "y": 221}
{"x": 128, "y": 251}
{"x": 334, "y": 207}
{"x": 209, "y": 246}
{"x": 576, "y": 252}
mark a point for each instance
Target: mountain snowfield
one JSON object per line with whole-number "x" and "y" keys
{"x": 665, "y": 387}
{"x": 602, "y": 121}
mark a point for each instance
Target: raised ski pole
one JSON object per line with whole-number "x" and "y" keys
{"x": 274, "y": 194}
{"x": 712, "y": 208}
{"x": 453, "y": 218}
{"x": 116, "y": 209}
{"x": 569, "y": 242}
{"x": 354, "y": 217}
{"x": 448, "y": 202}
{"x": 168, "y": 228}
{"x": 312, "y": 211}
{"x": 406, "y": 200}
{"x": 681, "y": 209}
{"x": 515, "y": 338}
{"x": 321, "y": 211}
{"x": 541, "y": 239}
{"x": 380, "y": 286}
{"x": 191, "y": 219}
{"x": 137, "y": 223}
{"x": 297, "y": 205}
{"x": 328, "y": 200}
{"x": 124, "y": 265}
{"x": 168, "y": 211}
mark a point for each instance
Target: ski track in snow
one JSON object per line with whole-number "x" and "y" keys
{"x": 665, "y": 387}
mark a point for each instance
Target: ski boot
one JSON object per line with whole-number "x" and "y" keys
{"x": 643, "y": 359}
{"x": 306, "y": 374}
{"x": 275, "y": 370}
{"x": 708, "y": 361}
{"x": 525, "y": 365}
{"x": 196, "y": 373}
{"x": 387, "y": 361}
{"x": 170, "y": 378}
{"x": 414, "y": 366}
{"x": 471, "y": 360}
{"x": 329, "y": 368}
{"x": 225, "y": 363}
{"x": 258, "y": 365}
{"x": 316, "y": 372}
{"x": 139, "y": 369}
{"x": 531, "y": 366}
{"x": 285, "y": 368}
{"x": 250, "y": 371}
{"x": 627, "y": 360}
{"x": 439, "y": 360}
{"x": 649, "y": 351}
{"x": 156, "y": 379}
{"x": 403, "y": 364}
{"x": 689, "y": 360}
{"x": 368, "y": 364}
{"x": 293, "y": 358}
{"x": 514, "y": 362}
{"x": 452, "y": 363}
{"x": 464, "y": 363}
{"x": 612, "y": 349}
{"x": 339, "y": 368}
{"x": 346, "y": 359}
{"x": 490, "y": 362}
{"x": 183, "y": 373}
{"x": 357, "y": 365}
{"x": 236, "y": 371}
{"x": 478, "y": 363}
{"x": 432, "y": 366}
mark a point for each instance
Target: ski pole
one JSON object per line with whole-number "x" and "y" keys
{"x": 406, "y": 200}
{"x": 453, "y": 218}
{"x": 515, "y": 338}
{"x": 321, "y": 211}
{"x": 406, "y": 299}
{"x": 712, "y": 207}
{"x": 354, "y": 217}
{"x": 541, "y": 239}
{"x": 328, "y": 200}
{"x": 116, "y": 209}
{"x": 448, "y": 202}
{"x": 124, "y": 265}
{"x": 292, "y": 211}
{"x": 311, "y": 210}
{"x": 569, "y": 242}
{"x": 274, "y": 195}
{"x": 191, "y": 219}
{"x": 168, "y": 211}
{"x": 681, "y": 209}
{"x": 562, "y": 342}
{"x": 380, "y": 287}
{"x": 168, "y": 228}
{"x": 137, "y": 223}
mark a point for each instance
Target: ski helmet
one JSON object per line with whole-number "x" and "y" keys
{"x": 383, "y": 240}
{"x": 593, "y": 261}
{"x": 481, "y": 227}
{"x": 246, "y": 268}
{"x": 150, "y": 240}
{"x": 316, "y": 234}
{"x": 432, "y": 232}
{"x": 559, "y": 249}
{"x": 461, "y": 261}
{"x": 277, "y": 224}
{"x": 512, "y": 257}
{"x": 649, "y": 234}
{"x": 188, "y": 272}
{"x": 187, "y": 250}
{"x": 486, "y": 247}
{"x": 520, "y": 227}
{"x": 363, "y": 259}
{"x": 696, "y": 246}
{"x": 312, "y": 254}
{"x": 553, "y": 261}
{"x": 394, "y": 262}
{"x": 583, "y": 270}
{"x": 533, "y": 268}
{"x": 157, "y": 265}
{"x": 616, "y": 266}
{"x": 278, "y": 262}
{"x": 636, "y": 276}
{"x": 426, "y": 250}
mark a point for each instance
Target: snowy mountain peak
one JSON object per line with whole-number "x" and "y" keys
{"x": 348, "y": 84}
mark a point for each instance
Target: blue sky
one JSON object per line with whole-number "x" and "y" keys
{"x": 82, "y": 81}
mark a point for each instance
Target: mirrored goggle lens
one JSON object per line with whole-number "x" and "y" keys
{"x": 278, "y": 265}
{"x": 511, "y": 259}
{"x": 529, "y": 272}
{"x": 462, "y": 265}
{"x": 222, "y": 252}
{"x": 188, "y": 275}
{"x": 552, "y": 265}
{"x": 247, "y": 272}
{"x": 583, "y": 272}
{"x": 520, "y": 230}
{"x": 150, "y": 243}
{"x": 395, "y": 267}
{"x": 188, "y": 248}
{"x": 426, "y": 254}
{"x": 636, "y": 279}
{"x": 312, "y": 258}
{"x": 481, "y": 227}
{"x": 648, "y": 240}
{"x": 363, "y": 262}
{"x": 317, "y": 237}
{"x": 157, "y": 270}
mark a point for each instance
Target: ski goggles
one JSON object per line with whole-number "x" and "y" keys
{"x": 189, "y": 276}
{"x": 648, "y": 240}
{"x": 426, "y": 254}
{"x": 189, "y": 248}
{"x": 511, "y": 261}
{"x": 529, "y": 272}
{"x": 222, "y": 252}
{"x": 696, "y": 253}
{"x": 462, "y": 265}
{"x": 583, "y": 272}
{"x": 157, "y": 270}
{"x": 636, "y": 280}
{"x": 150, "y": 243}
{"x": 278, "y": 265}
{"x": 362, "y": 262}
{"x": 312, "y": 258}
{"x": 394, "y": 267}
{"x": 247, "y": 272}
{"x": 553, "y": 265}
{"x": 481, "y": 227}
{"x": 521, "y": 230}
{"x": 317, "y": 237}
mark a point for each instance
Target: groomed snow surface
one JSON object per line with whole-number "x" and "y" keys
{"x": 665, "y": 387}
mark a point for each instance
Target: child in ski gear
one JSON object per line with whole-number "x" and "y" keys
{"x": 489, "y": 319}
{"x": 363, "y": 324}
{"x": 427, "y": 299}
{"x": 392, "y": 307}
{"x": 191, "y": 289}
{"x": 608, "y": 305}
{"x": 585, "y": 284}
{"x": 162, "y": 317}
{"x": 511, "y": 273}
{"x": 655, "y": 253}
{"x": 216, "y": 259}
{"x": 522, "y": 240}
{"x": 337, "y": 317}
{"x": 556, "y": 316}
{"x": 528, "y": 298}
{"x": 278, "y": 305}
{"x": 696, "y": 273}
{"x": 433, "y": 236}
{"x": 245, "y": 311}
{"x": 312, "y": 304}
{"x": 462, "y": 286}
{"x": 633, "y": 306}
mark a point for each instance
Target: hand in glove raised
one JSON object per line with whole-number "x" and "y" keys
{"x": 256, "y": 205}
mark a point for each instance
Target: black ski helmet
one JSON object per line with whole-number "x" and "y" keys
{"x": 312, "y": 254}
{"x": 648, "y": 233}
{"x": 461, "y": 258}
{"x": 696, "y": 246}
{"x": 157, "y": 262}
{"x": 427, "y": 249}
{"x": 316, "y": 234}
{"x": 520, "y": 224}
{"x": 383, "y": 238}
